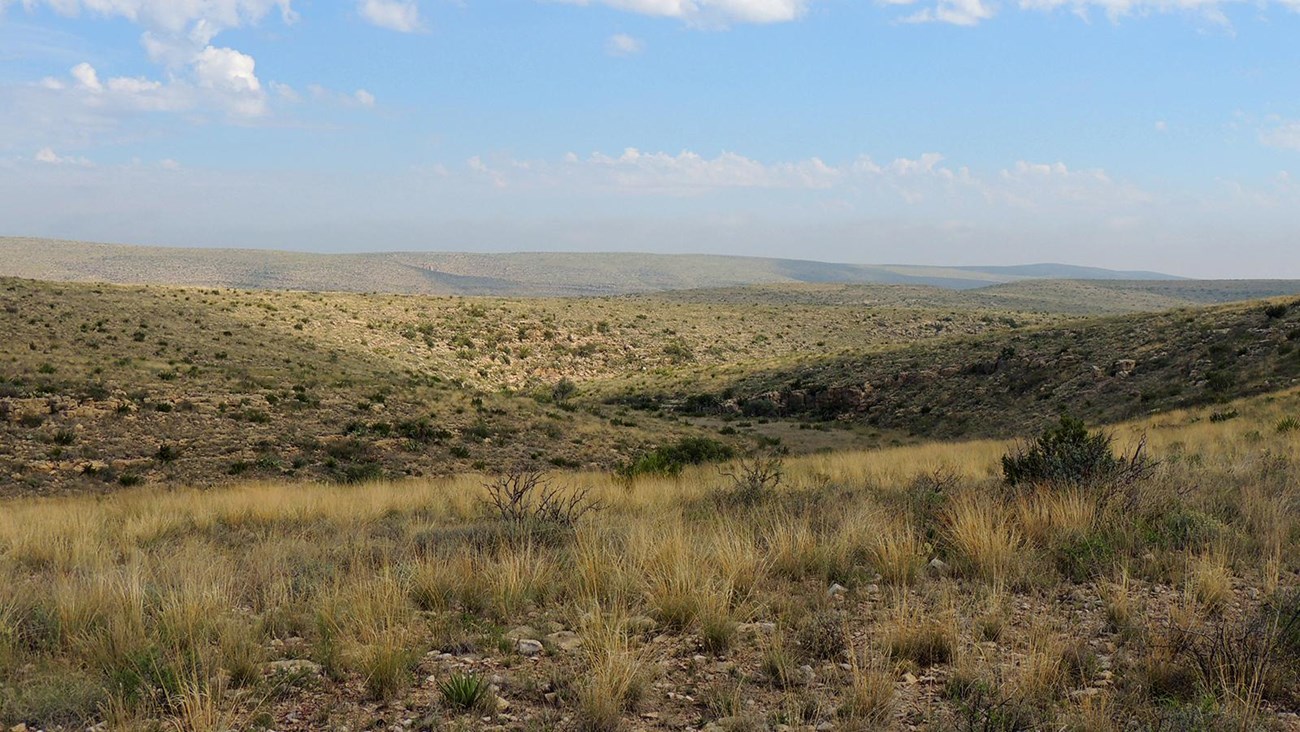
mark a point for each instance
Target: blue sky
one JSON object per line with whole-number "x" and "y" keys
{"x": 1155, "y": 134}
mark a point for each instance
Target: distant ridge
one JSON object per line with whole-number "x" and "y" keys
{"x": 1052, "y": 271}
{"x": 510, "y": 274}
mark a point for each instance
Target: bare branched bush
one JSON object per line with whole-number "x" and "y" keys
{"x": 530, "y": 498}
{"x": 755, "y": 478}
{"x": 1238, "y": 661}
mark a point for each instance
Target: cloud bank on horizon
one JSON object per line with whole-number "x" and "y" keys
{"x": 1152, "y": 134}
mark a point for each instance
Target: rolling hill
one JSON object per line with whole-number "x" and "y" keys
{"x": 513, "y": 274}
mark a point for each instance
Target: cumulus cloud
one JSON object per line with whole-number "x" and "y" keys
{"x": 227, "y": 70}
{"x": 711, "y": 12}
{"x": 87, "y": 77}
{"x": 621, "y": 44}
{"x": 402, "y": 16}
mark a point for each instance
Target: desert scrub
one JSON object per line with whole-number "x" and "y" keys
{"x": 671, "y": 459}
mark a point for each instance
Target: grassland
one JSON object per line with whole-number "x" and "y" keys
{"x": 898, "y": 588}
{"x": 234, "y": 509}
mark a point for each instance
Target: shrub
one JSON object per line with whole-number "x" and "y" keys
{"x": 1273, "y": 312}
{"x": 671, "y": 459}
{"x": 563, "y": 390}
{"x": 1288, "y": 424}
{"x": 528, "y": 498}
{"x": 422, "y": 431}
{"x": 1068, "y": 454}
{"x": 754, "y": 478}
{"x": 1064, "y": 453}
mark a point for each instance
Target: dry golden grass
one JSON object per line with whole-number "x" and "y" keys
{"x": 984, "y": 536}
{"x": 210, "y": 585}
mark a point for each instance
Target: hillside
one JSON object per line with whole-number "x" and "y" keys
{"x": 1059, "y": 297}
{"x": 109, "y": 383}
{"x": 514, "y": 274}
{"x": 1004, "y": 384}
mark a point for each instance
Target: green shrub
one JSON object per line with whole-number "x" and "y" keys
{"x": 671, "y": 459}
{"x": 1066, "y": 453}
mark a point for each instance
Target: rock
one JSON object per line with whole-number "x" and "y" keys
{"x": 806, "y": 674}
{"x": 837, "y": 590}
{"x": 523, "y": 631}
{"x": 908, "y": 678}
{"x": 938, "y": 566}
{"x": 294, "y": 666}
{"x": 529, "y": 646}
{"x": 756, "y": 628}
{"x": 565, "y": 640}
{"x": 502, "y": 704}
{"x": 825, "y": 727}
{"x": 20, "y": 727}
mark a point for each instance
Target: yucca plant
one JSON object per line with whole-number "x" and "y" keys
{"x": 465, "y": 691}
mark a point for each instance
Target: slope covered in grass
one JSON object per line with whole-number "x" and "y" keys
{"x": 1104, "y": 369}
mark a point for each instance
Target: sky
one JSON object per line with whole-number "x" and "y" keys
{"x": 1132, "y": 134}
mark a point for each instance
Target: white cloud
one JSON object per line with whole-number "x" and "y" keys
{"x": 232, "y": 76}
{"x": 172, "y": 16}
{"x": 325, "y": 95}
{"x": 87, "y": 77}
{"x": 1284, "y": 136}
{"x": 227, "y": 70}
{"x": 47, "y": 156}
{"x": 954, "y": 12}
{"x": 711, "y": 12}
{"x": 285, "y": 92}
{"x": 621, "y": 44}
{"x": 1161, "y": 126}
{"x": 402, "y": 16}
{"x": 923, "y": 182}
